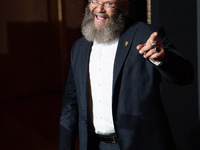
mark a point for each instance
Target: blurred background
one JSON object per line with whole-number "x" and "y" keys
{"x": 35, "y": 42}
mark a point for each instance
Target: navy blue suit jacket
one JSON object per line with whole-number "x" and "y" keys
{"x": 139, "y": 118}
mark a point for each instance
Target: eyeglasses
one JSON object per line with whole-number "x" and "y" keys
{"x": 106, "y": 5}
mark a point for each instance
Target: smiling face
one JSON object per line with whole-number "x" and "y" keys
{"x": 102, "y": 10}
{"x": 102, "y": 22}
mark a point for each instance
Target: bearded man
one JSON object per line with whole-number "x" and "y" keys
{"x": 112, "y": 98}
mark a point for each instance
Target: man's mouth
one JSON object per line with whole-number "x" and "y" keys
{"x": 101, "y": 18}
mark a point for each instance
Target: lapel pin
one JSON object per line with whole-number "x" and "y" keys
{"x": 126, "y": 43}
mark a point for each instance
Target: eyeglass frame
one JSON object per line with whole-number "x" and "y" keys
{"x": 105, "y": 4}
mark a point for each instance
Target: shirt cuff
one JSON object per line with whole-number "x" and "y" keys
{"x": 155, "y": 62}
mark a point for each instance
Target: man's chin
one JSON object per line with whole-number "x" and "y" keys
{"x": 99, "y": 25}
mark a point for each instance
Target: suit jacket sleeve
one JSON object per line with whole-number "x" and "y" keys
{"x": 175, "y": 67}
{"x": 69, "y": 116}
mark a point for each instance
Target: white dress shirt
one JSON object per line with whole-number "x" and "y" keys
{"x": 101, "y": 78}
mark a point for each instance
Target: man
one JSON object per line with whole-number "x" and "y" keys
{"x": 112, "y": 98}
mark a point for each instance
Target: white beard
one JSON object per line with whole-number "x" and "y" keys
{"x": 108, "y": 33}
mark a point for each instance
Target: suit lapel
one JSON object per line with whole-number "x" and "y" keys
{"x": 85, "y": 60}
{"x": 85, "y": 69}
{"x": 124, "y": 46}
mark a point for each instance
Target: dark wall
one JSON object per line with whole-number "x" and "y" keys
{"x": 138, "y": 10}
{"x": 35, "y": 51}
{"x": 179, "y": 19}
{"x": 32, "y": 64}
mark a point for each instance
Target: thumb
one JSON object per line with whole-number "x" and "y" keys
{"x": 140, "y": 46}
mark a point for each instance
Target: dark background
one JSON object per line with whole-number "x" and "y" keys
{"x": 34, "y": 59}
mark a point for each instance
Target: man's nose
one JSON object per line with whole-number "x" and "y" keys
{"x": 100, "y": 8}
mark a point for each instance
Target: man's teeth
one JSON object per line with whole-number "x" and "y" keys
{"x": 100, "y": 18}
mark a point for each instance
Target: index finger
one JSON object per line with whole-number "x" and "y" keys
{"x": 152, "y": 37}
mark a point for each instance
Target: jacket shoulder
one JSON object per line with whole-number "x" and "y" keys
{"x": 145, "y": 30}
{"x": 148, "y": 27}
{"x": 80, "y": 44}
{"x": 81, "y": 41}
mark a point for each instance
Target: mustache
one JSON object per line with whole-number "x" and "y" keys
{"x": 101, "y": 14}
